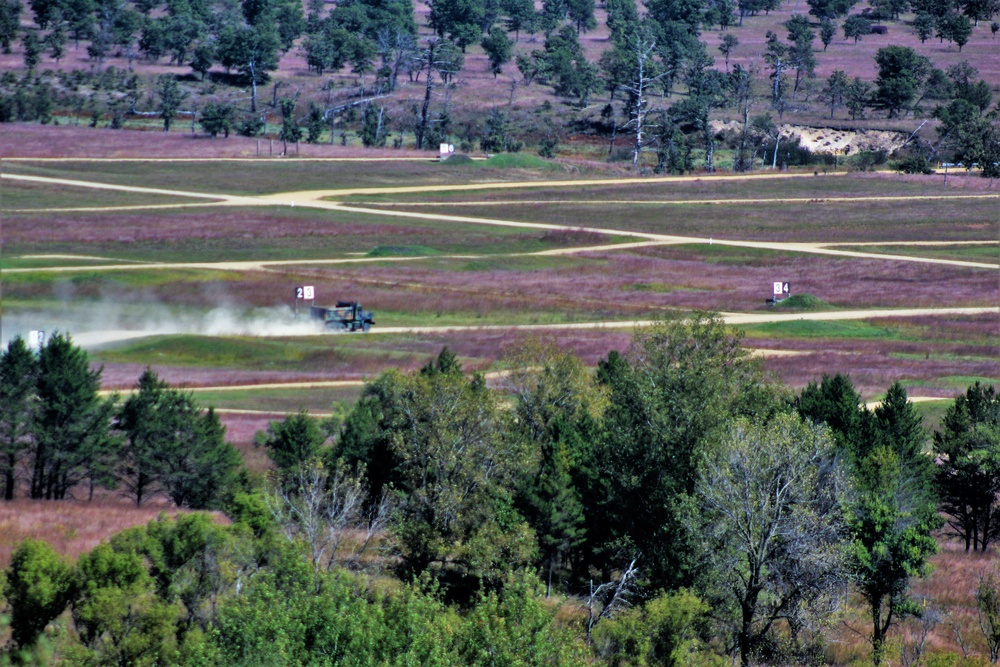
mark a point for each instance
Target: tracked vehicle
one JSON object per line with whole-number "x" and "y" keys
{"x": 345, "y": 316}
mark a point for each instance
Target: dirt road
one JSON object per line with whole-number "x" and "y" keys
{"x": 314, "y": 199}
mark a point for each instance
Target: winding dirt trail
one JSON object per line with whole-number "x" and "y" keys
{"x": 316, "y": 199}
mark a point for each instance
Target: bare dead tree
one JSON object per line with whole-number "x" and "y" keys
{"x": 325, "y": 508}
{"x": 920, "y": 628}
{"x": 988, "y": 605}
{"x": 642, "y": 48}
{"x": 619, "y": 590}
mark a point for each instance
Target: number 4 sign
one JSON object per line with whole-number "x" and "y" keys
{"x": 782, "y": 288}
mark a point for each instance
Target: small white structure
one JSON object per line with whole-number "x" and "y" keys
{"x": 444, "y": 150}
{"x": 36, "y": 340}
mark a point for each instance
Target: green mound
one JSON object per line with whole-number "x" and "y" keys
{"x": 459, "y": 158}
{"x": 804, "y": 302}
{"x": 518, "y": 161}
{"x": 401, "y": 251}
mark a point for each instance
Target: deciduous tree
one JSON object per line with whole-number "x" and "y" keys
{"x": 767, "y": 505}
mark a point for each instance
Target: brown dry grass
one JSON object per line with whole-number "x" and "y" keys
{"x": 949, "y": 591}
{"x": 72, "y": 527}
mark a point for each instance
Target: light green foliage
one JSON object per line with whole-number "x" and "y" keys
{"x": 117, "y": 613}
{"x": 38, "y": 586}
{"x": 342, "y": 623}
{"x": 767, "y": 508}
{"x": 664, "y": 631}
{"x": 190, "y": 560}
{"x": 988, "y": 606}
{"x": 515, "y": 627}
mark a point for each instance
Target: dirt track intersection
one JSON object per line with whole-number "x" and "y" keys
{"x": 968, "y": 260}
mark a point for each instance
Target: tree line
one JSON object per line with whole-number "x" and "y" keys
{"x": 59, "y": 437}
{"x": 684, "y": 504}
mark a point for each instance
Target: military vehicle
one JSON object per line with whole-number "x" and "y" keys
{"x": 345, "y": 316}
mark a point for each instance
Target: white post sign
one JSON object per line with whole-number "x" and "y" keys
{"x": 781, "y": 289}
{"x": 306, "y": 292}
{"x": 36, "y": 340}
{"x": 777, "y": 288}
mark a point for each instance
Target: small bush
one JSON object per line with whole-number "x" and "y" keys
{"x": 517, "y": 161}
{"x": 870, "y": 160}
{"x": 250, "y": 126}
{"x": 804, "y": 302}
{"x": 915, "y": 164}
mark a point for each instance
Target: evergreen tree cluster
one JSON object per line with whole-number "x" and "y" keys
{"x": 683, "y": 502}
{"x": 59, "y": 438}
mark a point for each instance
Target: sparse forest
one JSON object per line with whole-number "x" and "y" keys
{"x": 676, "y": 85}
{"x": 675, "y": 506}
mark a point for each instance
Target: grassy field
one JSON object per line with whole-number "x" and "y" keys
{"x": 233, "y": 325}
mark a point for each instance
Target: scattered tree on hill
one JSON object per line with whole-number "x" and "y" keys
{"x": 836, "y": 89}
{"x": 32, "y": 50}
{"x": 856, "y": 27}
{"x": 924, "y": 25}
{"x": 830, "y": 9}
{"x": 519, "y": 15}
{"x": 251, "y": 50}
{"x": 901, "y": 71}
{"x": 171, "y": 97}
{"x": 827, "y": 32}
{"x": 726, "y": 46}
{"x": 498, "y": 48}
{"x": 217, "y": 118}
{"x": 858, "y": 98}
{"x": 10, "y": 22}
{"x": 458, "y": 20}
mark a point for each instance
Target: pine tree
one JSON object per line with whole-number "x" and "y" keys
{"x": 18, "y": 375}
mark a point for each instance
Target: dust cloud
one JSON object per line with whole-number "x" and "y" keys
{"x": 102, "y": 323}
